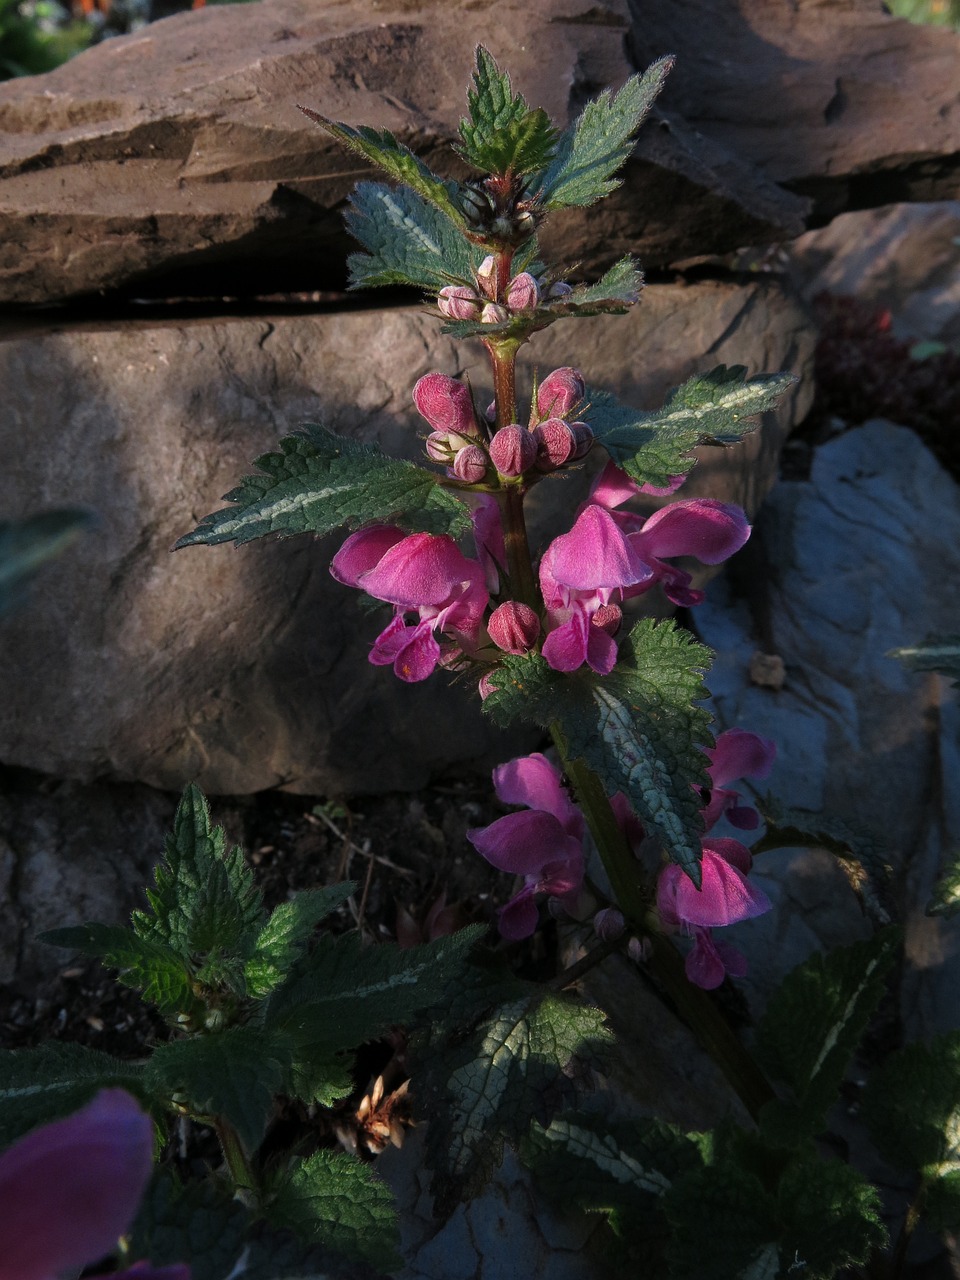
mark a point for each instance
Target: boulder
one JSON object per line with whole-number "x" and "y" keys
{"x": 247, "y": 669}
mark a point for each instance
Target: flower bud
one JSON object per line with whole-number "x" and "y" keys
{"x": 490, "y": 412}
{"x": 583, "y": 439}
{"x": 555, "y": 444}
{"x": 514, "y": 627}
{"x": 493, "y": 313}
{"x": 559, "y": 290}
{"x": 443, "y": 446}
{"x": 513, "y": 450}
{"x": 486, "y": 686}
{"x": 458, "y": 302}
{"x": 609, "y": 924}
{"x": 445, "y": 403}
{"x": 487, "y": 277}
{"x": 559, "y": 392}
{"x": 524, "y": 293}
{"x": 470, "y": 464}
{"x": 608, "y": 617}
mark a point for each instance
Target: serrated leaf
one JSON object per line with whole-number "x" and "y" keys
{"x": 149, "y": 966}
{"x": 831, "y": 1218}
{"x": 912, "y": 1107}
{"x": 513, "y": 1069}
{"x": 946, "y": 894}
{"x": 407, "y": 241}
{"x": 723, "y": 1221}
{"x": 320, "y": 481}
{"x": 936, "y": 653}
{"x": 811, "y": 1027}
{"x": 233, "y": 1073}
{"x": 589, "y": 154}
{"x": 717, "y": 408}
{"x": 42, "y": 1084}
{"x": 503, "y": 135}
{"x": 284, "y": 938}
{"x": 638, "y": 728}
{"x": 344, "y": 994}
{"x": 616, "y": 291}
{"x": 26, "y": 545}
{"x": 331, "y": 1199}
{"x": 381, "y": 148}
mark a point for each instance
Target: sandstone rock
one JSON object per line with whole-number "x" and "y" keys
{"x": 840, "y": 102}
{"x": 856, "y": 561}
{"x": 247, "y": 669}
{"x": 174, "y": 161}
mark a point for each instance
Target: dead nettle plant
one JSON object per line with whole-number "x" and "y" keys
{"x": 617, "y": 830}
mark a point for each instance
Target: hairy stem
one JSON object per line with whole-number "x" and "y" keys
{"x": 519, "y": 566}
{"x": 235, "y": 1156}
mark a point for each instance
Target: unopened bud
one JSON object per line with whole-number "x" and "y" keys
{"x": 470, "y": 464}
{"x": 443, "y": 446}
{"x": 524, "y": 293}
{"x": 639, "y": 950}
{"x": 445, "y": 403}
{"x": 559, "y": 392}
{"x": 514, "y": 627}
{"x": 608, "y": 617}
{"x": 493, "y": 313}
{"x": 609, "y": 924}
{"x": 555, "y": 444}
{"x": 487, "y": 277}
{"x": 558, "y": 291}
{"x": 583, "y": 439}
{"x": 459, "y": 302}
{"x": 513, "y": 450}
{"x": 491, "y": 411}
{"x": 486, "y": 686}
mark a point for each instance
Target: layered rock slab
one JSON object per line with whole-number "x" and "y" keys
{"x": 247, "y": 669}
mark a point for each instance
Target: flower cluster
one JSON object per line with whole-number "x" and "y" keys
{"x": 544, "y": 844}
{"x": 491, "y": 305}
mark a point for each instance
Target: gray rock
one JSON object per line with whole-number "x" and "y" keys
{"x": 856, "y": 561}
{"x": 247, "y": 669}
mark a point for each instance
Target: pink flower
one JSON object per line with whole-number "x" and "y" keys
{"x": 422, "y": 573}
{"x": 544, "y": 844}
{"x": 738, "y": 754}
{"x": 458, "y": 302}
{"x": 514, "y": 627}
{"x": 70, "y": 1189}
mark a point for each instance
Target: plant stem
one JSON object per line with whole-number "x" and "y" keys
{"x": 519, "y": 567}
{"x": 576, "y": 971}
{"x": 503, "y": 357}
{"x": 234, "y": 1155}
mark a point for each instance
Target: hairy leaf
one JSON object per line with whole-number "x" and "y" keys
{"x": 233, "y": 1073}
{"x": 333, "y": 1200}
{"x": 616, "y": 291}
{"x": 42, "y": 1084}
{"x": 936, "y": 653}
{"x": 25, "y": 545}
{"x": 912, "y": 1107}
{"x": 503, "y": 135}
{"x": 589, "y": 154}
{"x": 713, "y": 408}
{"x": 381, "y": 148}
{"x": 320, "y": 481}
{"x": 284, "y": 938}
{"x": 946, "y": 895}
{"x": 831, "y": 1218}
{"x": 723, "y": 1221}
{"x": 407, "y": 241}
{"x": 811, "y": 1027}
{"x": 147, "y": 965}
{"x": 637, "y": 728}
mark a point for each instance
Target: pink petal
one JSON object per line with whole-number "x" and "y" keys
{"x": 524, "y": 843}
{"x": 601, "y": 650}
{"x": 488, "y": 536}
{"x": 704, "y": 965}
{"x": 595, "y": 553}
{"x": 363, "y": 551}
{"x": 732, "y": 851}
{"x": 565, "y": 648}
{"x": 740, "y": 754}
{"x": 519, "y": 918}
{"x": 532, "y": 780}
{"x": 419, "y": 656}
{"x": 726, "y": 895}
{"x": 613, "y": 487}
{"x": 70, "y": 1189}
{"x": 422, "y": 569}
{"x": 702, "y": 527}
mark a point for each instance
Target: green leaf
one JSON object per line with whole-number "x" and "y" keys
{"x": 151, "y": 967}
{"x": 941, "y": 1203}
{"x": 636, "y": 728}
{"x": 590, "y": 153}
{"x": 333, "y": 1200}
{"x": 503, "y": 135}
{"x": 407, "y": 241}
{"x": 616, "y": 291}
{"x": 946, "y": 895}
{"x": 831, "y": 1218}
{"x": 912, "y": 1107}
{"x": 811, "y": 1027}
{"x": 320, "y": 481}
{"x": 722, "y": 1221}
{"x": 28, "y": 544}
{"x": 284, "y": 938}
{"x": 713, "y": 408}
{"x": 233, "y": 1073}
{"x": 514, "y": 1068}
{"x": 39, "y": 1085}
{"x": 381, "y": 148}
{"x": 936, "y": 653}
{"x": 343, "y": 993}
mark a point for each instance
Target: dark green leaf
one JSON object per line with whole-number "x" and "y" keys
{"x": 713, "y": 408}
{"x": 830, "y": 1216}
{"x": 333, "y": 1200}
{"x": 38, "y": 1085}
{"x": 590, "y": 153}
{"x": 811, "y": 1027}
{"x": 28, "y": 544}
{"x": 946, "y": 895}
{"x": 723, "y": 1223}
{"x": 616, "y": 291}
{"x": 502, "y": 134}
{"x": 233, "y": 1073}
{"x": 936, "y": 653}
{"x": 381, "y": 148}
{"x": 637, "y": 728}
{"x": 320, "y": 481}
{"x": 284, "y": 938}
{"x": 941, "y": 1203}
{"x": 407, "y": 241}
{"x": 912, "y": 1107}
{"x": 151, "y": 967}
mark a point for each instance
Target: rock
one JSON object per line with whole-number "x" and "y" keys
{"x": 842, "y": 102}
{"x": 174, "y": 161}
{"x": 851, "y": 564}
{"x": 247, "y": 669}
